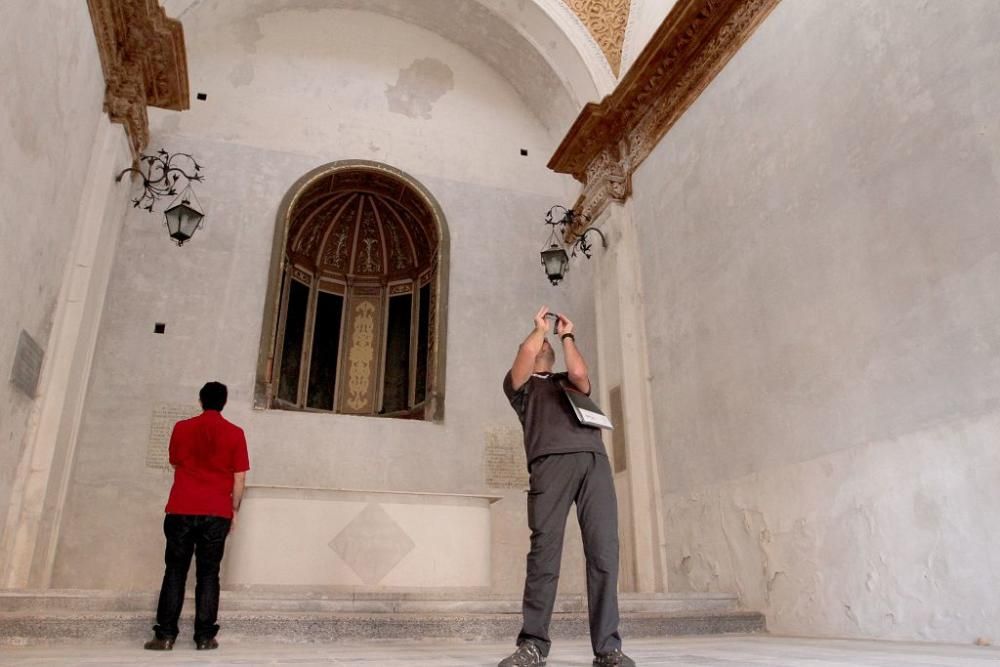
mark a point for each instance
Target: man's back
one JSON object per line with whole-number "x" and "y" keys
{"x": 205, "y": 451}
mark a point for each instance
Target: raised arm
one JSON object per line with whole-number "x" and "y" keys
{"x": 576, "y": 367}
{"x": 524, "y": 362}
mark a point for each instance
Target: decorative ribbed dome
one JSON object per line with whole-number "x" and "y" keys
{"x": 361, "y": 224}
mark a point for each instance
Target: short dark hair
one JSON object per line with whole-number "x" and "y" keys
{"x": 213, "y": 396}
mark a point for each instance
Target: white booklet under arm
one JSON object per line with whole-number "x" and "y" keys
{"x": 587, "y": 412}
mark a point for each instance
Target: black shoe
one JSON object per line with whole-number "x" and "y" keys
{"x": 613, "y": 659}
{"x": 159, "y": 644}
{"x": 527, "y": 655}
{"x": 206, "y": 644}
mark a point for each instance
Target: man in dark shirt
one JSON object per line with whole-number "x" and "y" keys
{"x": 568, "y": 465}
{"x": 209, "y": 456}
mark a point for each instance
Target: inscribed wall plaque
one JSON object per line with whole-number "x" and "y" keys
{"x": 165, "y": 415}
{"x": 619, "y": 447}
{"x": 504, "y": 462}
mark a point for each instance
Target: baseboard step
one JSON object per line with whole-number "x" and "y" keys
{"x": 18, "y": 628}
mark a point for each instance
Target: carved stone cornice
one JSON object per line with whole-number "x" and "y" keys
{"x": 609, "y": 140}
{"x": 606, "y": 21}
{"x": 607, "y": 178}
{"x": 144, "y": 62}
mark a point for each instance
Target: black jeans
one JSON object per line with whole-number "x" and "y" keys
{"x": 558, "y": 481}
{"x": 204, "y": 537}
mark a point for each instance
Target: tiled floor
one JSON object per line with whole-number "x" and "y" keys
{"x": 701, "y": 652}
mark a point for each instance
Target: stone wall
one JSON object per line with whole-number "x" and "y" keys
{"x": 53, "y": 94}
{"x": 288, "y": 92}
{"x": 821, "y": 257}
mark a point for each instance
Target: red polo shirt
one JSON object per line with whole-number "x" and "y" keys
{"x": 206, "y": 451}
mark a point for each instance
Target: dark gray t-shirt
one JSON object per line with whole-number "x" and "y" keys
{"x": 550, "y": 427}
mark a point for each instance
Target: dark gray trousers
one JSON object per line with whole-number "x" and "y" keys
{"x": 558, "y": 481}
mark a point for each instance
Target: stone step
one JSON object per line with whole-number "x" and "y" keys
{"x": 54, "y": 616}
{"x": 445, "y": 602}
{"x": 52, "y": 627}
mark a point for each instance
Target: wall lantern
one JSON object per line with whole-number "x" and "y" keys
{"x": 556, "y": 263}
{"x": 555, "y": 257}
{"x": 161, "y": 177}
{"x": 182, "y": 218}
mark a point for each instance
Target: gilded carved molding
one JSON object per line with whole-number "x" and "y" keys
{"x": 144, "y": 62}
{"x": 608, "y": 141}
{"x": 606, "y": 20}
{"x": 361, "y": 357}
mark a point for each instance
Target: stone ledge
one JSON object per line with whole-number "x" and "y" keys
{"x": 18, "y": 629}
{"x": 475, "y": 602}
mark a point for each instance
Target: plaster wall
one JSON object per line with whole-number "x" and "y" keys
{"x": 329, "y": 102}
{"x": 821, "y": 260}
{"x": 53, "y": 94}
{"x": 306, "y": 79}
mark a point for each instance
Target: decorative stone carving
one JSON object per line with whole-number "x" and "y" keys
{"x": 606, "y": 20}
{"x": 362, "y": 225}
{"x": 607, "y": 178}
{"x": 608, "y": 141}
{"x": 144, "y": 62}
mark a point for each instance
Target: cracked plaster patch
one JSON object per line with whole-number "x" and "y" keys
{"x": 418, "y": 87}
{"x": 242, "y": 74}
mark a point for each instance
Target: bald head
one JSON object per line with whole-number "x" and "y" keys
{"x": 545, "y": 360}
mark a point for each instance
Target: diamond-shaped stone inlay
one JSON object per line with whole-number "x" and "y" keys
{"x": 372, "y": 544}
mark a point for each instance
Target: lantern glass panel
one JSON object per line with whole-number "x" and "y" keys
{"x": 556, "y": 263}
{"x": 183, "y": 221}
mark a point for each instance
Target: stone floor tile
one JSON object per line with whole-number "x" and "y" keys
{"x": 729, "y": 651}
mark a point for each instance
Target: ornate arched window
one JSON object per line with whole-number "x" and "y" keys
{"x": 356, "y": 300}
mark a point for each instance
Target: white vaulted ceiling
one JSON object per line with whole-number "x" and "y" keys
{"x": 541, "y": 47}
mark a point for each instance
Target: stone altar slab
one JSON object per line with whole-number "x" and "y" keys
{"x": 334, "y": 538}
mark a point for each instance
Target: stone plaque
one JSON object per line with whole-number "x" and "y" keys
{"x": 27, "y": 365}
{"x": 504, "y": 460}
{"x": 165, "y": 415}
{"x": 618, "y": 444}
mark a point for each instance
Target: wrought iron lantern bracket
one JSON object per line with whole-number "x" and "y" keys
{"x": 161, "y": 176}
{"x": 564, "y": 223}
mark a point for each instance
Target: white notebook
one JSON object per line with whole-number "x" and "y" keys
{"x": 587, "y": 412}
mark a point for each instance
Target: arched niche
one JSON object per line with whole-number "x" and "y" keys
{"x": 354, "y": 318}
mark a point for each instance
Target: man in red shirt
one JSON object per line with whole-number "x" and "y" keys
{"x": 209, "y": 456}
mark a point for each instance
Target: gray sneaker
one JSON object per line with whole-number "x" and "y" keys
{"x": 527, "y": 655}
{"x": 613, "y": 659}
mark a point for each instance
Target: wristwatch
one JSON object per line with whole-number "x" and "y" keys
{"x": 568, "y": 335}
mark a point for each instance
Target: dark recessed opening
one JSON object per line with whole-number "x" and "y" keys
{"x": 159, "y": 327}
{"x": 202, "y": 96}
{"x": 524, "y": 151}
